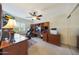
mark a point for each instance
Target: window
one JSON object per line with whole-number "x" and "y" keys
{"x": 20, "y": 27}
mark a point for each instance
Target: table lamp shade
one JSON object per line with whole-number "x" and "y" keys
{"x": 11, "y": 24}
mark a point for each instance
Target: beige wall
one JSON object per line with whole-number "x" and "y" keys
{"x": 68, "y": 28}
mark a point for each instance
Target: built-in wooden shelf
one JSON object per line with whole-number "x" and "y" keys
{"x": 50, "y": 38}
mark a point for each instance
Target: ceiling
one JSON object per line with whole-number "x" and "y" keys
{"x": 47, "y": 9}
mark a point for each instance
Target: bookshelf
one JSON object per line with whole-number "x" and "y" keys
{"x": 44, "y": 28}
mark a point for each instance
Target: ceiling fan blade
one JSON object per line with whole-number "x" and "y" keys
{"x": 31, "y": 14}
{"x": 34, "y": 13}
{"x": 39, "y": 16}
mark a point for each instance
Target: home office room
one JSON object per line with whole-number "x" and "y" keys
{"x": 39, "y": 29}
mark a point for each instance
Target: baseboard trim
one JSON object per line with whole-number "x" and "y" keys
{"x": 68, "y": 45}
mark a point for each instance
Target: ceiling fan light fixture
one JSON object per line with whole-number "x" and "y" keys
{"x": 34, "y": 18}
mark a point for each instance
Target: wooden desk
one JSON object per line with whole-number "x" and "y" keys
{"x": 20, "y": 48}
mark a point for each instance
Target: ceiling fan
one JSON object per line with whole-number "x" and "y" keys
{"x": 77, "y": 5}
{"x": 34, "y": 16}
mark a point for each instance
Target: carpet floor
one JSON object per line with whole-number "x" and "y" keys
{"x": 39, "y": 47}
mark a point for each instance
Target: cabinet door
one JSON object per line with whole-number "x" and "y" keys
{"x": 54, "y": 39}
{"x": 45, "y": 36}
